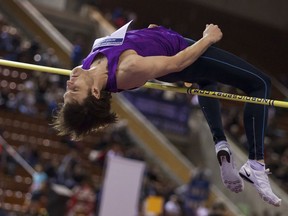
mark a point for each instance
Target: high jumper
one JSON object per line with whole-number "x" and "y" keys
{"x": 128, "y": 59}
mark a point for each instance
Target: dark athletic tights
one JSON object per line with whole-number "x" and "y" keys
{"x": 216, "y": 65}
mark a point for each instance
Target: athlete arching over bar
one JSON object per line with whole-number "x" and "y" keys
{"x": 127, "y": 59}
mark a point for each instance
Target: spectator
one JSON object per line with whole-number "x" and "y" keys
{"x": 172, "y": 207}
{"x": 51, "y": 169}
{"x": 36, "y": 205}
{"x": 39, "y": 184}
{"x": 196, "y": 192}
{"x": 77, "y": 52}
{"x": 65, "y": 170}
{"x": 115, "y": 150}
{"x": 83, "y": 199}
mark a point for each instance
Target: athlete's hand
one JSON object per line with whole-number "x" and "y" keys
{"x": 212, "y": 33}
{"x": 188, "y": 85}
{"x": 152, "y": 26}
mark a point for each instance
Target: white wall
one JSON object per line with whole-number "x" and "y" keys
{"x": 121, "y": 188}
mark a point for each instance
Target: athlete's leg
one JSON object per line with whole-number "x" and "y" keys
{"x": 219, "y": 66}
{"x": 226, "y": 68}
{"x": 229, "y": 69}
{"x": 212, "y": 111}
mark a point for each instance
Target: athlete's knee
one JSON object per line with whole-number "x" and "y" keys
{"x": 261, "y": 87}
{"x": 266, "y": 84}
{"x": 267, "y": 81}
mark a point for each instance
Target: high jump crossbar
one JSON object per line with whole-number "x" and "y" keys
{"x": 159, "y": 86}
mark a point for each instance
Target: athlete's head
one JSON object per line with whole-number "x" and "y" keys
{"x": 85, "y": 108}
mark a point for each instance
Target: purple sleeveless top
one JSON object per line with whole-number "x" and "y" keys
{"x": 157, "y": 41}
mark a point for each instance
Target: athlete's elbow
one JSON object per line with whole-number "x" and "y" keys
{"x": 174, "y": 66}
{"x": 180, "y": 67}
{"x": 181, "y": 63}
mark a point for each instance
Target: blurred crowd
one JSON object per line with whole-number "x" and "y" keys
{"x": 39, "y": 93}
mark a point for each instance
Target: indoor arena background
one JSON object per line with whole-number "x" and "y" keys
{"x": 163, "y": 133}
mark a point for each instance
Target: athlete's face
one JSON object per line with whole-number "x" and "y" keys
{"x": 78, "y": 86}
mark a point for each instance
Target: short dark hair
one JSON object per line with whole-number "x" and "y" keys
{"x": 77, "y": 120}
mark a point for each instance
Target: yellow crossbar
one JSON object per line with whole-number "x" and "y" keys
{"x": 184, "y": 90}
